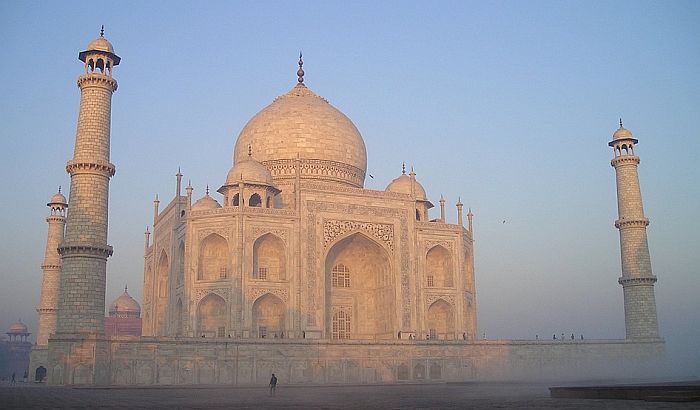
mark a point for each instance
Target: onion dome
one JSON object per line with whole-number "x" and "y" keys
{"x": 205, "y": 202}
{"x": 300, "y": 125}
{"x": 622, "y": 133}
{"x": 100, "y": 45}
{"x": 405, "y": 184}
{"x": 18, "y": 328}
{"x": 125, "y": 306}
{"x": 249, "y": 171}
{"x": 58, "y": 199}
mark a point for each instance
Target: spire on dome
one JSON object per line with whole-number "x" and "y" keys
{"x": 300, "y": 71}
{"x": 59, "y": 189}
{"x": 620, "y": 122}
{"x": 125, "y": 288}
{"x": 102, "y": 31}
{"x": 403, "y": 168}
{"x": 207, "y": 190}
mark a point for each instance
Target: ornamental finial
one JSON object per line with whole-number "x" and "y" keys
{"x": 207, "y": 189}
{"x": 300, "y": 71}
{"x": 403, "y": 168}
{"x": 59, "y": 189}
{"x": 620, "y": 122}
{"x": 102, "y": 31}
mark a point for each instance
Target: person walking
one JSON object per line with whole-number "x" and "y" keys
{"x": 13, "y": 378}
{"x": 273, "y": 384}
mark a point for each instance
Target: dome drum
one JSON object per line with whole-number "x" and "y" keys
{"x": 316, "y": 169}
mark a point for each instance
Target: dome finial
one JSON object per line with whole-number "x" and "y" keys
{"x": 59, "y": 189}
{"x": 620, "y": 122}
{"x": 125, "y": 288}
{"x": 300, "y": 71}
{"x": 207, "y": 189}
{"x": 403, "y": 168}
{"x": 102, "y": 31}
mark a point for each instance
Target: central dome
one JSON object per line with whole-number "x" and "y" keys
{"x": 300, "y": 124}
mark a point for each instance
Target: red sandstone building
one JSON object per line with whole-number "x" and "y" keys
{"x": 124, "y": 317}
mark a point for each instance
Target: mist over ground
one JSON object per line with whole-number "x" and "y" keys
{"x": 508, "y": 106}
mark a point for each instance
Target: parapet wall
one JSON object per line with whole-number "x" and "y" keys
{"x": 168, "y": 361}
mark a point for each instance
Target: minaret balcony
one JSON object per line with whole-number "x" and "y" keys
{"x": 624, "y": 160}
{"x": 632, "y": 223}
{"x": 637, "y": 281}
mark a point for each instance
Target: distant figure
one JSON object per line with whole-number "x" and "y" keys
{"x": 273, "y": 384}
{"x": 554, "y": 337}
{"x": 537, "y": 337}
{"x": 26, "y": 376}
{"x": 464, "y": 336}
{"x": 581, "y": 336}
{"x": 13, "y": 379}
{"x": 203, "y": 335}
{"x": 562, "y": 336}
{"x": 572, "y": 336}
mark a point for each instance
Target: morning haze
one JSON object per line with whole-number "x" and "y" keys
{"x": 508, "y": 108}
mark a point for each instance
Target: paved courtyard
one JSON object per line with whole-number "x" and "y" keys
{"x": 435, "y": 396}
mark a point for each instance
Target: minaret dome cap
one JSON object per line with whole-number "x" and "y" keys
{"x": 100, "y": 45}
{"x": 622, "y": 133}
{"x": 57, "y": 199}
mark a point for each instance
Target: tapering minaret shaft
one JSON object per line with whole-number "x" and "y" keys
{"x": 84, "y": 251}
{"x": 48, "y": 304}
{"x": 637, "y": 279}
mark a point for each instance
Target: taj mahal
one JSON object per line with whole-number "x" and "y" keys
{"x": 291, "y": 266}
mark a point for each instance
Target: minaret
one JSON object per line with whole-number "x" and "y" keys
{"x": 48, "y": 304}
{"x": 442, "y": 209}
{"x": 637, "y": 280}
{"x": 84, "y": 251}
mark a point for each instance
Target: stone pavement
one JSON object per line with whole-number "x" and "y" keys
{"x": 423, "y": 396}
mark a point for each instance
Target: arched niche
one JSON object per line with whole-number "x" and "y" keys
{"x": 269, "y": 258}
{"x": 370, "y": 298}
{"x": 162, "y": 273}
{"x": 213, "y": 258}
{"x": 211, "y": 316}
{"x": 255, "y": 201}
{"x": 178, "y": 318}
{"x": 438, "y": 267}
{"x": 180, "y": 263}
{"x": 440, "y": 320}
{"x": 268, "y": 317}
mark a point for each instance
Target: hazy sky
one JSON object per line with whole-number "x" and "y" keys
{"x": 508, "y": 104}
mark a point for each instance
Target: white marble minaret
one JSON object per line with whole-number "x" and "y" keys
{"x": 637, "y": 279}
{"x": 84, "y": 251}
{"x": 48, "y": 304}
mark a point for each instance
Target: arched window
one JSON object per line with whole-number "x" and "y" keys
{"x": 341, "y": 325}
{"x": 255, "y": 201}
{"x": 269, "y": 258}
{"x": 213, "y": 258}
{"x": 235, "y": 200}
{"x": 438, "y": 264}
{"x": 340, "y": 276}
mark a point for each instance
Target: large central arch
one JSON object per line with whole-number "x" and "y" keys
{"x": 359, "y": 282}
